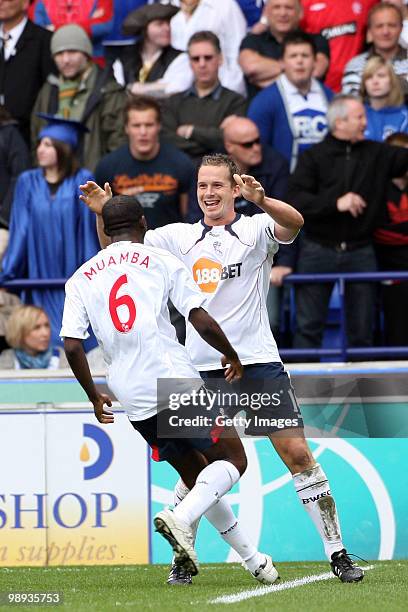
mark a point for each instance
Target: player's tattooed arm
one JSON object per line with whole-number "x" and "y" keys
{"x": 212, "y": 333}
{"x": 288, "y": 221}
{"x": 79, "y": 365}
{"x": 95, "y": 198}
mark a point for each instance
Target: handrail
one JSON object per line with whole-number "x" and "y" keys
{"x": 346, "y": 276}
{"x": 292, "y": 279}
{"x": 344, "y": 351}
{"x": 31, "y": 283}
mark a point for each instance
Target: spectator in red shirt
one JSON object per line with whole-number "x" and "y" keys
{"x": 343, "y": 24}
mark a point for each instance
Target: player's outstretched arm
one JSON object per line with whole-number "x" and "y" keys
{"x": 79, "y": 365}
{"x": 95, "y": 198}
{"x": 288, "y": 221}
{"x": 212, "y": 333}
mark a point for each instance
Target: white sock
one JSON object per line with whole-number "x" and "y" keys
{"x": 223, "y": 519}
{"x": 212, "y": 483}
{"x": 313, "y": 490}
{"x": 180, "y": 491}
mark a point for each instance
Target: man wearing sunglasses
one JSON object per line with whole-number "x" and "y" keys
{"x": 242, "y": 142}
{"x": 193, "y": 119}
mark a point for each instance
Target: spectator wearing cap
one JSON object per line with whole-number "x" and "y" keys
{"x": 152, "y": 66}
{"x": 193, "y": 119}
{"x": 116, "y": 43}
{"x": 84, "y": 92}
{"x": 51, "y": 233}
{"x": 94, "y": 16}
{"x": 25, "y": 62}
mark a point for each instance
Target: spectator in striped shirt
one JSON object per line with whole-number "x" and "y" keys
{"x": 384, "y": 29}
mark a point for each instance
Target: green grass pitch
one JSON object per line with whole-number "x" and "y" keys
{"x": 143, "y": 587}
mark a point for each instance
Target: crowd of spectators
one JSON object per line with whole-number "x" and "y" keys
{"x": 309, "y": 97}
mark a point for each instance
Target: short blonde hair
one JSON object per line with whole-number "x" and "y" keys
{"x": 21, "y": 322}
{"x": 396, "y": 96}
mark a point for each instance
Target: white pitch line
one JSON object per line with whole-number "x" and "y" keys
{"x": 274, "y": 588}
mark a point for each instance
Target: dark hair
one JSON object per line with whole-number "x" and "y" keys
{"x": 141, "y": 103}
{"x": 398, "y": 139}
{"x": 382, "y": 6}
{"x": 219, "y": 159}
{"x": 205, "y": 36}
{"x": 298, "y": 37}
{"x": 67, "y": 161}
{"x": 121, "y": 213}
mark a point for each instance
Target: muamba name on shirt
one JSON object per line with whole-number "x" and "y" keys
{"x": 130, "y": 257}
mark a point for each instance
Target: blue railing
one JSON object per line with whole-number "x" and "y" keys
{"x": 343, "y": 351}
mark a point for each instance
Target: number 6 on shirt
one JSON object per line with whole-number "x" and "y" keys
{"x": 124, "y": 300}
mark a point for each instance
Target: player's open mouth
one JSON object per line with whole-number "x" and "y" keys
{"x": 211, "y": 205}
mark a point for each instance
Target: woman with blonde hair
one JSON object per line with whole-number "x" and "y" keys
{"x": 28, "y": 333}
{"x": 384, "y": 100}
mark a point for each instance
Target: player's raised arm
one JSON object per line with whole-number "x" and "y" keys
{"x": 212, "y": 333}
{"x": 95, "y": 198}
{"x": 79, "y": 365}
{"x": 288, "y": 221}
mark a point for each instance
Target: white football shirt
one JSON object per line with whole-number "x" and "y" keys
{"x": 231, "y": 265}
{"x": 123, "y": 292}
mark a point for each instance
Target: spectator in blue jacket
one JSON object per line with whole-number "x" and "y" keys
{"x": 51, "y": 234}
{"x": 291, "y": 113}
{"x": 384, "y": 100}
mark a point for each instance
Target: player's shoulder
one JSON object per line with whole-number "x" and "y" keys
{"x": 176, "y": 233}
{"x": 170, "y": 228}
{"x": 246, "y": 221}
{"x": 163, "y": 259}
{"x": 161, "y": 253}
{"x": 248, "y": 229}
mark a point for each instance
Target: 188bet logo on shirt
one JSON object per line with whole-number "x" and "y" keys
{"x": 208, "y": 273}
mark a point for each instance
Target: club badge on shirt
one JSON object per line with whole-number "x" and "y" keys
{"x": 217, "y": 247}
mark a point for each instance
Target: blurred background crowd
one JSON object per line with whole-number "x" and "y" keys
{"x": 308, "y": 96}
